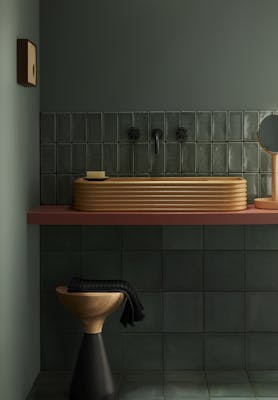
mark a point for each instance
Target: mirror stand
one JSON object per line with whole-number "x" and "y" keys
{"x": 271, "y": 203}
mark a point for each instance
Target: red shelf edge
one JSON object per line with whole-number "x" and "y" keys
{"x": 65, "y": 215}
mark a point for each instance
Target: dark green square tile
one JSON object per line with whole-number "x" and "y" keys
{"x": 172, "y": 123}
{"x": 60, "y": 238}
{"x": 237, "y": 390}
{"x": 110, "y": 127}
{"x": 203, "y": 158}
{"x": 224, "y": 312}
{"x": 63, "y": 127}
{"x": 142, "y": 352}
{"x": 265, "y": 185}
{"x": 261, "y": 270}
{"x": 141, "y": 159}
{"x": 126, "y": 156}
{"x": 101, "y": 237}
{"x": 262, "y": 237}
{"x": 188, "y": 157}
{"x": 250, "y": 125}
{"x": 94, "y": 157}
{"x": 187, "y": 120}
{"x": 183, "y": 312}
{"x": 142, "y": 237}
{"x": 235, "y": 126}
{"x": 173, "y": 158}
{"x": 183, "y": 351}
{"x": 64, "y": 189}
{"x": 182, "y": 270}
{"x": 141, "y": 121}
{"x": 184, "y": 390}
{"x": 47, "y": 127}
{"x": 224, "y": 237}
{"x": 224, "y": 351}
{"x": 78, "y": 127}
{"x": 261, "y": 312}
{"x": 157, "y": 160}
{"x": 231, "y": 376}
{"x": 48, "y": 158}
{"x": 252, "y": 186}
{"x": 192, "y": 376}
{"x": 110, "y": 159}
{"x": 78, "y": 158}
{"x": 250, "y": 157}
{"x": 223, "y": 270}
{"x": 106, "y": 264}
{"x": 182, "y": 237}
{"x": 48, "y": 189}
{"x": 64, "y": 158}
{"x": 235, "y": 157}
{"x": 262, "y": 351}
{"x": 265, "y": 160}
{"x": 157, "y": 121}
{"x": 143, "y": 269}
{"x": 125, "y": 122}
{"x": 220, "y": 157}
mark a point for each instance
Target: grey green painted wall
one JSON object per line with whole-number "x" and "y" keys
{"x": 19, "y": 176}
{"x": 159, "y": 54}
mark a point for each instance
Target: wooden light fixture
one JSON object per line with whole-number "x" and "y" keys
{"x": 26, "y": 62}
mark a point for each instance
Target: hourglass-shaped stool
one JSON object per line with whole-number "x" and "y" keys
{"x": 92, "y": 378}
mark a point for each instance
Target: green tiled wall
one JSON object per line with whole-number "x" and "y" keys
{"x": 218, "y": 143}
{"x": 210, "y": 295}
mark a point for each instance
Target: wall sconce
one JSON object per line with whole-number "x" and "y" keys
{"x": 26, "y": 62}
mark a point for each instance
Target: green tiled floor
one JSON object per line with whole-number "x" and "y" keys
{"x": 172, "y": 385}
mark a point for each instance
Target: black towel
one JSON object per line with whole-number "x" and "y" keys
{"x": 133, "y": 310}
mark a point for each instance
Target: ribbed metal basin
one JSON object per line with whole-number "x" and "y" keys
{"x": 161, "y": 194}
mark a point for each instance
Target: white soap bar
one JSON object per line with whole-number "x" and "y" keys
{"x": 95, "y": 174}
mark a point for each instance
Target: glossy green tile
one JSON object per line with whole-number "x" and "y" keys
{"x": 235, "y": 157}
{"x": 157, "y": 121}
{"x": 93, "y": 157}
{"x": 64, "y": 158}
{"x": 48, "y": 189}
{"x": 157, "y": 160}
{"x": 182, "y": 270}
{"x": 231, "y": 376}
{"x": 250, "y": 157}
{"x": 250, "y": 125}
{"x": 184, "y": 390}
{"x": 105, "y": 264}
{"x": 182, "y": 237}
{"x": 191, "y": 319}
{"x": 47, "y": 127}
{"x": 183, "y": 351}
{"x": 223, "y": 270}
{"x": 141, "y": 159}
{"x": 224, "y": 351}
{"x": 203, "y": 131}
{"x": 224, "y": 237}
{"x": 141, "y": 121}
{"x": 172, "y": 120}
{"x": 94, "y": 127}
{"x": 64, "y": 189}
{"x": 261, "y": 314}
{"x": 219, "y": 157}
{"x": 235, "y": 126}
{"x": 230, "y": 390}
{"x": 126, "y": 157}
{"x": 78, "y": 158}
{"x": 63, "y": 132}
{"x": 188, "y": 157}
{"x": 110, "y": 127}
{"x": 48, "y": 158}
{"x": 60, "y": 238}
{"x": 142, "y": 352}
{"x": 78, "y": 127}
{"x": 265, "y": 185}
{"x": 219, "y": 126}
{"x": 173, "y": 158}
{"x": 110, "y": 159}
{"x": 261, "y": 270}
{"x": 265, "y": 160}
{"x": 187, "y": 120}
{"x": 142, "y": 237}
{"x": 101, "y": 237}
{"x": 125, "y": 122}
{"x": 262, "y": 351}
{"x": 261, "y": 237}
{"x": 143, "y": 269}
{"x": 203, "y": 158}
{"x": 152, "y": 303}
{"x": 252, "y": 186}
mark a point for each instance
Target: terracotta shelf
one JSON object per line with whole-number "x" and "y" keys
{"x": 65, "y": 215}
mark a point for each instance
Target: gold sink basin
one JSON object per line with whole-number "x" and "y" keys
{"x": 161, "y": 194}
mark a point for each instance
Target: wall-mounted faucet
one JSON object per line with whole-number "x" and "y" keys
{"x": 157, "y": 134}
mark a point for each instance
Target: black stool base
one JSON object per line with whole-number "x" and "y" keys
{"x": 92, "y": 378}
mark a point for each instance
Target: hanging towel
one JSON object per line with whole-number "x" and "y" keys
{"x": 133, "y": 309}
